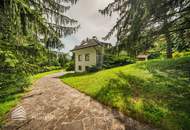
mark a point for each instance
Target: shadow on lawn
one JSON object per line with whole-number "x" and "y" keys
{"x": 163, "y": 100}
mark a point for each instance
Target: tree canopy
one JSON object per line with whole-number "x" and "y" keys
{"x": 43, "y": 16}
{"x": 27, "y": 29}
{"x": 140, "y": 22}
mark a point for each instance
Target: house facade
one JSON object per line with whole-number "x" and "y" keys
{"x": 89, "y": 53}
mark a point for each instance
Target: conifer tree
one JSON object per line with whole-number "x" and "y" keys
{"x": 140, "y": 20}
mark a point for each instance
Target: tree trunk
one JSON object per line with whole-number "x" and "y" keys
{"x": 23, "y": 23}
{"x": 168, "y": 40}
{"x": 168, "y": 45}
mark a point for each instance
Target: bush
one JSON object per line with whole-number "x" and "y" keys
{"x": 49, "y": 68}
{"x": 12, "y": 83}
{"x": 70, "y": 66}
{"x": 116, "y": 60}
{"x": 93, "y": 69}
{"x": 154, "y": 55}
{"x": 181, "y": 54}
{"x": 34, "y": 69}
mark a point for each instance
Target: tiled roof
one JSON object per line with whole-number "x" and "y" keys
{"x": 90, "y": 43}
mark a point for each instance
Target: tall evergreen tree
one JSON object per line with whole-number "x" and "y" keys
{"x": 41, "y": 16}
{"x": 140, "y": 20}
{"x": 25, "y": 27}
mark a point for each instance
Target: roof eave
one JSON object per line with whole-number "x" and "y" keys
{"x": 82, "y": 48}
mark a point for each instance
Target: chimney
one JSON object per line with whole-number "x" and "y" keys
{"x": 87, "y": 39}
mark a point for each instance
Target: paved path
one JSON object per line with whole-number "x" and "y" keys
{"x": 52, "y": 105}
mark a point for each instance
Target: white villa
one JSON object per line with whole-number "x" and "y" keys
{"x": 89, "y": 53}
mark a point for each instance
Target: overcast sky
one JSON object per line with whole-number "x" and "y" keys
{"x": 91, "y": 21}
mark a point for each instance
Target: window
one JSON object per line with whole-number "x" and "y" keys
{"x": 87, "y": 57}
{"x": 80, "y": 67}
{"x": 79, "y": 58}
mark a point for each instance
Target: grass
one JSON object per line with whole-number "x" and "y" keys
{"x": 155, "y": 92}
{"x": 40, "y": 75}
{"x": 14, "y": 94}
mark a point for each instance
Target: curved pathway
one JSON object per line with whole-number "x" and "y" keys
{"x": 52, "y": 105}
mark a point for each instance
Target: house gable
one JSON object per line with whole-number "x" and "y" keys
{"x": 89, "y": 53}
{"x": 82, "y": 62}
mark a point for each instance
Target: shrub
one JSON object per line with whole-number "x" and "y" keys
{"x": 154, "y": 55}
{"x": 49, "y": 68}
{"x": 70, "y": 66}
{"x": 116, "y": 60}
{"x": 12, "y": 83}
{"x": 181, "y": 54}
{"x": 93, "y": 69}
{"x": 34, "y": 69}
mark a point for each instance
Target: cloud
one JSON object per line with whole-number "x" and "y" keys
{"x": 91, "y": 21}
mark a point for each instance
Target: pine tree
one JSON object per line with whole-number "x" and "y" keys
{"x": 44, "y": 17}
{"x": 25, "y": 27}
{"x": 149, "y": 19}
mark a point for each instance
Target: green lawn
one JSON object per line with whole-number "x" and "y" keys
{"x": 14, "y": 94}
{"x": 156, "y": 92}
{"x": 40, "y": 75}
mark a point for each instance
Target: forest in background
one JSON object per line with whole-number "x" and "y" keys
{"x": 29, "y": 40}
